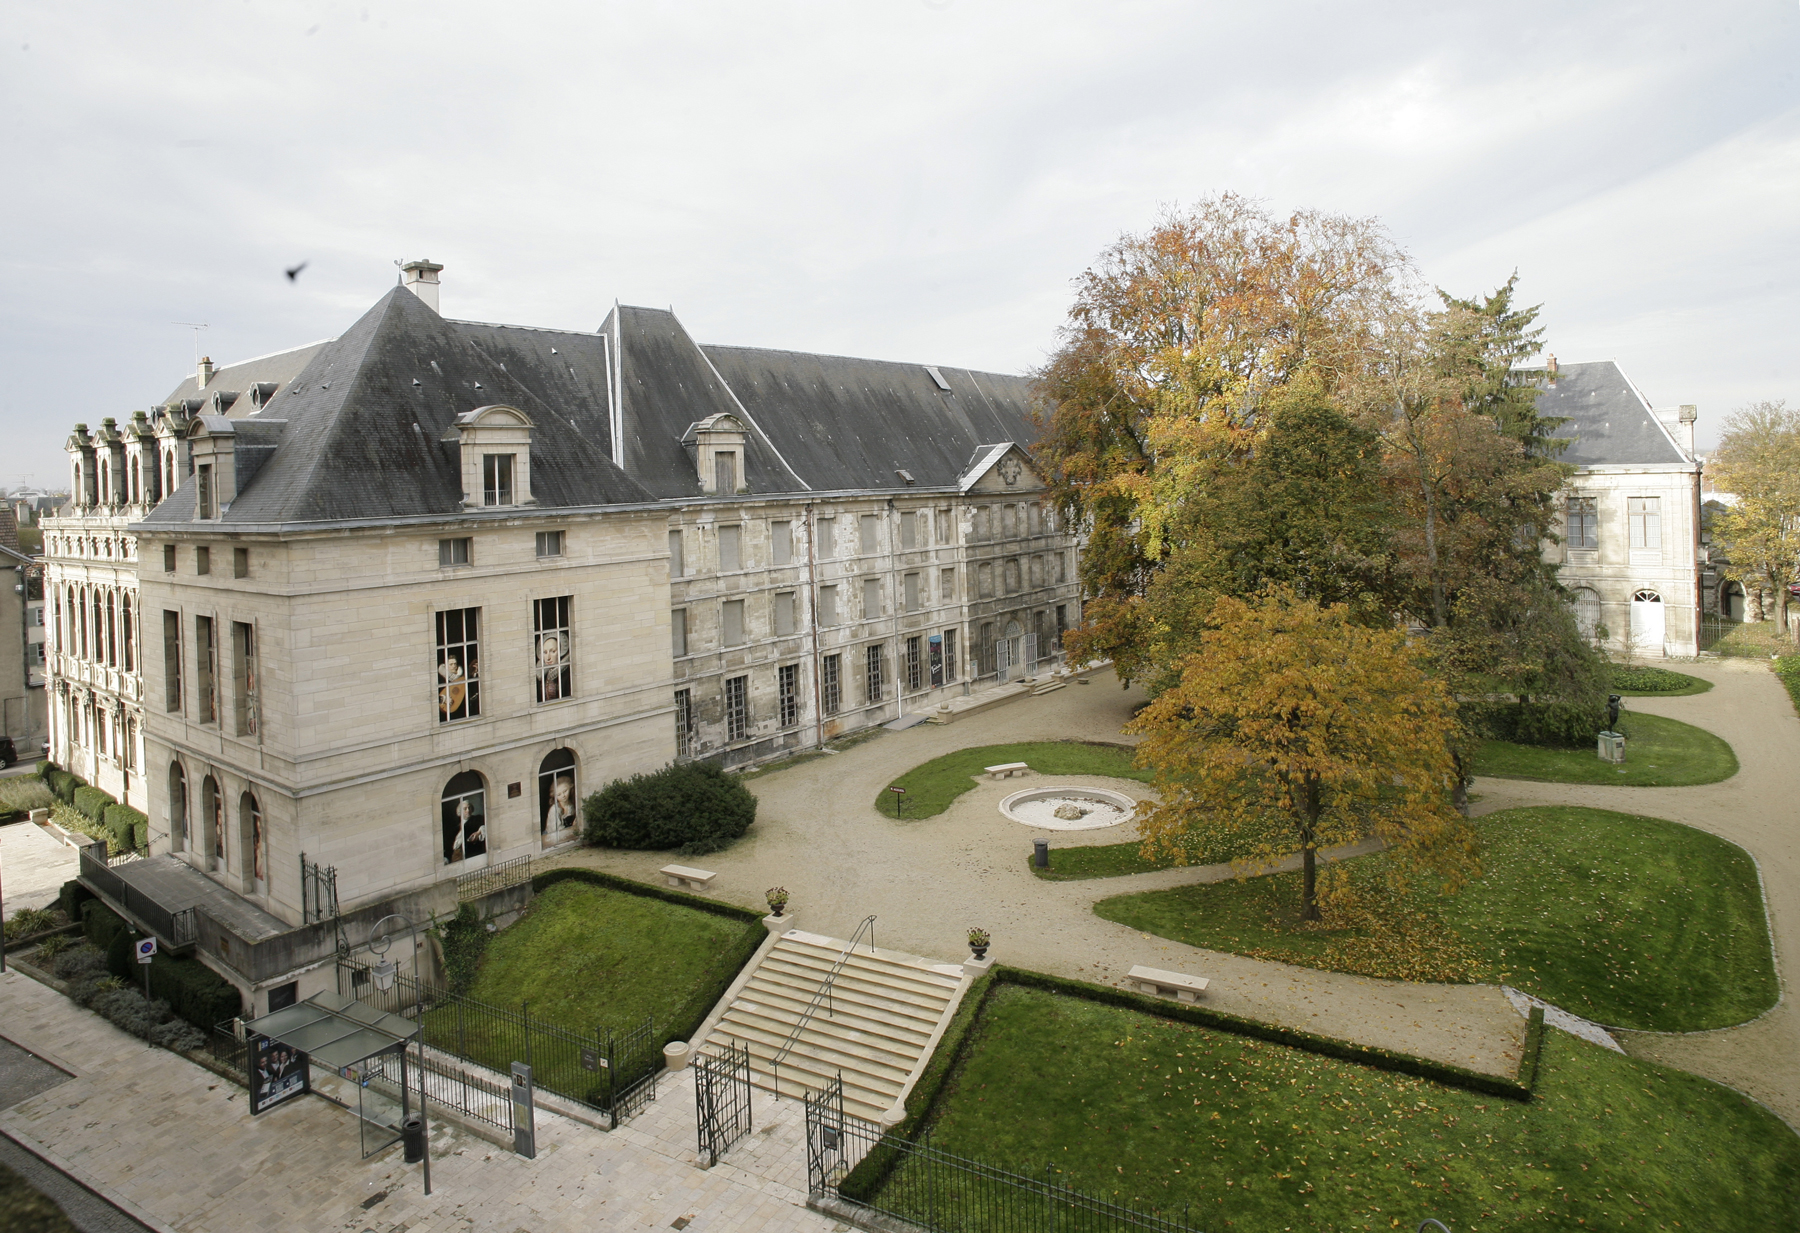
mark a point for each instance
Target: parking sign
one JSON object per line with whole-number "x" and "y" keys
{"x": 146, "y": 949}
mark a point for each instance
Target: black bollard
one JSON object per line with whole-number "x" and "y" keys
{"x": 1040, "y": 853}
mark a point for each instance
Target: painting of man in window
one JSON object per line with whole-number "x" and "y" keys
{"x": 558, "y": 809}
{"x": 464, "y": 815}
{"x": 458, "y": 666}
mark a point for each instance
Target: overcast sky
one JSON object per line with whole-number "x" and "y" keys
{"x": 903, "y": 179}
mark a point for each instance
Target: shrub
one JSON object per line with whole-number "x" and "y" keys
{"x": 691, "y": 806}
{"x": 51, "y": 947}
{"x": 1647, "y": 680}
{"x": 465, "y": 942}
{"x": 100, "y": 924}
{"x": 44, "y": 768}
{"x": 194, "y": 992}
{"x": 71, "y": 897}
{"x": 23, "y": 795}
{"x": 27, "y": 921}
{"x": 80, "y": 963}
{"x": 93, "y": 802}
{"x": 63, "y": 785}
{"x": 127, "y": 829}
{"x": 180, "y": 1036}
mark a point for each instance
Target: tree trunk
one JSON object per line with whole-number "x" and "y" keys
{"x": 1309, "y": 881}
{"x": 1431, "y": 559}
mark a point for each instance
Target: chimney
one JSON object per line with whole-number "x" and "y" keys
{"x": 1550, "y": 366}
{"x": 1689, "y": 413}
{"x": 421, "y": 278}
{"x": 205, "y": 371}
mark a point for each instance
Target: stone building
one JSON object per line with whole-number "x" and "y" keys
{"x": 1630, "y": 550}
{"x": 358, "y": 620}
{"x": 22, "y": 701}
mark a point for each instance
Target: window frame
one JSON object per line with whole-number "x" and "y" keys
{"x": 498, "y": 477}
{"x": 466, "y": 645}
{"x": 737, "y": 708}
{"x": 787, "y": 691}
{"x": 831, "y": 684}
{"x": 554, "y": 682}
{"x": 549, "y": 544}
{"x": 449, "y": 547}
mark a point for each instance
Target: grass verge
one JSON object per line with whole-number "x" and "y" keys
{"x": 1172, "y": 1116}
{"x": 932, "y": 786}
{"x": 1659, "y": 753}
{"x": 1629, "y": 921}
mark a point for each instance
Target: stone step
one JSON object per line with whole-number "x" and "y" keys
{"x": 766, "y": 1038}
{"x": 867, "y": 1034}
{"x": 891, "y": 997}
{"x": 894, "y": 962}
{"x": 905, "y": 1022}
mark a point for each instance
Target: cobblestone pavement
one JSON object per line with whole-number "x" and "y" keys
{"x": 929, "y": 880}
{"x": 174, "y": 1145}
{"x": 1758, "y": 809}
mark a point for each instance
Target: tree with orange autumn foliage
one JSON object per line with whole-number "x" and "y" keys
{"x": 1294, "y": 714}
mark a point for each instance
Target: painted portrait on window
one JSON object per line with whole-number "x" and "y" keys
{"x": 464, "y": 818}
{"x": 558, "y": 807}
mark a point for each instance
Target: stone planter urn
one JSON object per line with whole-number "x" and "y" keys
{"x": 677, "y": 1054}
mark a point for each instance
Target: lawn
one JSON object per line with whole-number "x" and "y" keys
{"x": 589, "y": 957}
{"x": 1659, "y": 753}
{"x": 1113, "y": 860}
{"x": 1244, "y": 1134}
{"x": 1633, "y": 922}
{"x": 932, "y": 786}
{"x": 1655, "y": 682}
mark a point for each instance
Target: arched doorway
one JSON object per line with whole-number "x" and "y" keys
{"x": 1587, "y": 610}
{"x": 559, "y": 806}
{"x": 1647, "y": 622}
{"x": 250, "y": 844}
{"x": 463, "y": 814}
{"x": 1731, "y": 600}
{"x": 1015, "y": 649}
{"x": 178, "y": 808}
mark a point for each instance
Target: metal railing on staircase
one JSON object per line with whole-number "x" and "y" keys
{"x": 822, "y": 996}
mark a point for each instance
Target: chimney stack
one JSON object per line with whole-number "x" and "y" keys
{"x": 1689, "y": 413}
{"x": 204, "y": 372}
{"x": 1550, "y": 365}
{"x": 421, "y": 278}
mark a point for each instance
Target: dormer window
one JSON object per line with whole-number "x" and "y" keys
{"x": 497, "y": 479}
{"x": 205, "y": 508}
{"x": 717, "y": 445}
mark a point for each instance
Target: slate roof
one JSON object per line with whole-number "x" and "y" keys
{"x": 357, "y": 432}
{"x": 278, "y": 368}
{"x": 1609, "y": 422}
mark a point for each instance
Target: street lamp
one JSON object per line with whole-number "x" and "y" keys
{"x": 385, "y": 973}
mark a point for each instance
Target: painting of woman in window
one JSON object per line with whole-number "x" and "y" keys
{"x": 550, "y": 670}
{"x": 558, "y": 808}
{"x": 464, "y": 812}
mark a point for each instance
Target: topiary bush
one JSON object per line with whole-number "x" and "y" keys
{"x": 63, "y": 785}
{"x": 127, "y": 829}
{"x": 93, "y": 802}
{"x": 694, "y": 807}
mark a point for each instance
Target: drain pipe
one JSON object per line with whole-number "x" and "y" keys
{"x": 812, "y": 621}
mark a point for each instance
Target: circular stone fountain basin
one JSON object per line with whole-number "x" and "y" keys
{"x": 1068, "y": 809}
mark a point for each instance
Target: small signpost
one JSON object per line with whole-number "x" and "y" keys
{"x": 899, "y": 802}
{"x": 524, "y": 1128}
{"x": 146, "y": 951}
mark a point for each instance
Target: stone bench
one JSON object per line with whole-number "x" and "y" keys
{"x": 1006, "y": 770}
{"x": 686, "y": 878}
{"x": 1177, "y": 985}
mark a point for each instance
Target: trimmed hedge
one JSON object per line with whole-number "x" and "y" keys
{"x": 867, "y": 1178}
{"x": 693, "y": 1012}
{"x": 694, "y": 807}
{"x": 1787, "y": 667}
{"x": 64, "y": 785}
{"x": 100, "y": 924}
{"x": 93, "y": 802}
{"x": 193, "y": 991}
{"x": 70, "y": 898}
{"x": 127, "y": 829}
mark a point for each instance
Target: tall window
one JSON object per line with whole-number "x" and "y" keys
{"x": 676, "y": 568}
{"x": 737, "y": 708}
{"x": 250, "y": 840}
{"x": 205, "y": 500}
{"x": 871, "y": 598}
{"x": 915, "y": 667}
{"x": 243, "y": 677}
{"x": 781, "y": 543}
{"x": 949, "y": 655}
{"x": 869, "y": 534}
{"x": 203, "y": 560}
{"x": 97, "y": 603}
{"x": 240, "y": 562}
{"x": 212, "y": 807}
{"x": 831, "y": 689}
{"x": 78, "y": 598}
{"x": 112, "y": 630}
{"x": 1583, "y": 522}
{"x": 725, "y": 472}
{"x": 912, "y": 592}
{"x": 947, "y": 585}
{"x": 678, "y": 641}
{"x": 909, "y": 529}
{"x": 1012, "y": 576}
{"x": 787, "y": 682}
{"x": 171, "y": 660}
{"x": 872, "y": 673}
{"x": 458, "y": 664}
{"x": 684, "y": 723}
{"x": 178, "y": 807}
{"x": 1644, "y": 515}
{"x": 828, "y": 605}
{"x": 206, "y": 669}
{"x": 731, "y": 621}
{"x": 463, "y": 814}
{"x": 784, "y": 613}
{"x": 942, "y": 519}
{"x": 497, "y": 479}
{"x": 129, "y": 649}
{"x": 826, "y": 534}
{"x": 559, "y": 806}
{"x": 985, "y": 651}
{"x": 731, "y": 549}
{"x": 553, "y": 658}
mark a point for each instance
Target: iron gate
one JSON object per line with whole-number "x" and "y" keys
{"x": 722, "y": 1100}
{"x": 825, "y": 1164}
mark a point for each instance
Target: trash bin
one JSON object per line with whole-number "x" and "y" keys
{"x": 412, "y": 1138}
{"x": 1040, "y": 853}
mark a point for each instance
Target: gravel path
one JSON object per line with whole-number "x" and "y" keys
{"x": 1758, "y": 809}
{"x": 928, "y": 881}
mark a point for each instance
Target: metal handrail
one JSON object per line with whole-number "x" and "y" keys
{"x": 823, "y": 995}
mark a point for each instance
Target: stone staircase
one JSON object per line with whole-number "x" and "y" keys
{"x": 884, "y": 1011}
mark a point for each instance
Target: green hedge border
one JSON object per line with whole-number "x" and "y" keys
{"x": 699, "y": 1005}
{"x": 864, "y": 1181}
{"x": 1787, "y": 667}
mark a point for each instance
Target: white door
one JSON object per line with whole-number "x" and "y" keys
{"x": 1647, "y": 621}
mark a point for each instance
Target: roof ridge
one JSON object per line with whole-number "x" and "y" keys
{"x": 862, "y": 359}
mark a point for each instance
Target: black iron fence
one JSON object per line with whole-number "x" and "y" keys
{"x": 853, "y": 1160}
{"x": 484, "y": 882}
{"x": 612, "y": 1073}
{"x": 722, "y": 1100}
{"x": 318, "y": 891}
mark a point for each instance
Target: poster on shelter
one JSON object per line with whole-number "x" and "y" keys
{"x": 277, "y": 1073}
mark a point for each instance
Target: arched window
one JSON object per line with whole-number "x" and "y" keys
{"x": 1587, "y": 610}
{"x": 250, "y": 840}
{"x": 559, "y": 806}
{"x": 178, "y": 808}
{"x": 112, "y": 629}
{"x": 99, "y": 608}
{"x": 129, "y": 632}
{"x": 79, "y": 599}
{"x": 463, "y": 813}
{"x": 212, "y": 815}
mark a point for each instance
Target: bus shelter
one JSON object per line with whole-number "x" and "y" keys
{"x": 342, "y": 1036}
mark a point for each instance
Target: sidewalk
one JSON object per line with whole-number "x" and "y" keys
{"x": 33, "y": 866}
{"x": 173, "y": 1144}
